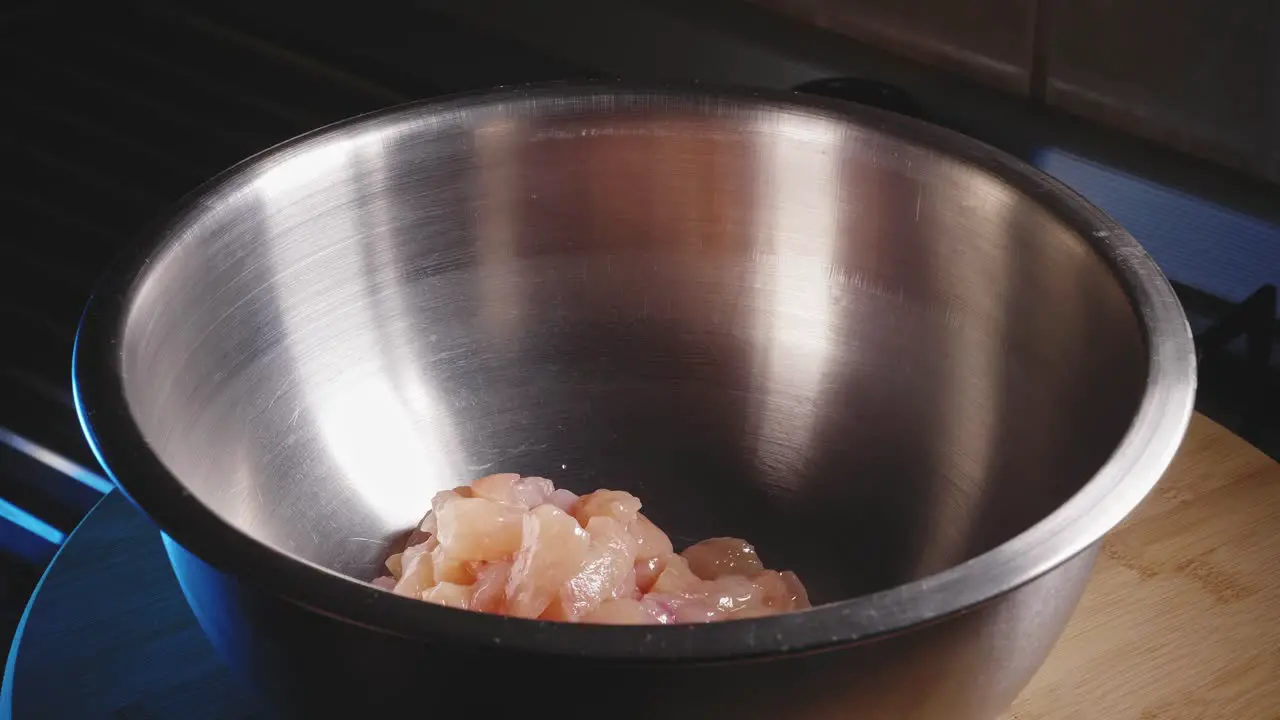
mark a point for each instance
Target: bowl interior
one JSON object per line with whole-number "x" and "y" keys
{"x": 870, "y": 358}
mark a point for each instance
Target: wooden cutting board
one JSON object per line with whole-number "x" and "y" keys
{"x": 1180, "y": 622}
{"x": 1182, "y": 618}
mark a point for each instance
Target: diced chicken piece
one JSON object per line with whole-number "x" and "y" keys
{"x": 676, "y": 578}
{"x": 475, "y": 529}
{"x": 733, "y": 594}
{"x": 625, "y": 508}
{"x": 511, "y": 489}
{"x": 623, "y": 611}
{"x": 651, "y": 541}
{"x": 564, "y": 500}
{"x": 449, "y": 595}
{"x": 530, "y": 492}
{"x": 774, "y": 591}
{"x": 553, "y": 548}
{"x": 617, "y": 504}
{"x": 495, "y": 487}
{"x": 608, "y": 571}
{"x": 448, "y": 568}
{"x": 610, "y": 539}
{"x": 411, "y": 551}
{"x": 696, "y": 610}
{"x": 660, "y": 607}
{"x": 395, "y": 565}
{"x": 627, "y": 587}
{"x": 386, "y": 582}
{"x": 717, "y": 557}
{"x": 489, "y": 592}
{"x": 418, "y": 573}
{"x": 795, "y": 591}
{"x": 672, "y": 609}
{"x": 426, "y": 528}
{"x": 438, "y": 501}
{"x": 647, "y": 572}
{"x": 782, "y": 592}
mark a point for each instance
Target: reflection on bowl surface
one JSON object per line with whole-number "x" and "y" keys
{"x": 876, "y": 349}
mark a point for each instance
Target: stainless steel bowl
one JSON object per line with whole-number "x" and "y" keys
{"x": 911, "y": 368}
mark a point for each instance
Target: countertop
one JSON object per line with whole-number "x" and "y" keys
{"x": 1181, "y": 620}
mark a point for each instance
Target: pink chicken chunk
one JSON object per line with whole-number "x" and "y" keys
{"x": 519, "y": 546}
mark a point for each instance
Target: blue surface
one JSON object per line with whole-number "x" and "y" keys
{"x": 1196, "y": 242}
{"x": 6, "y": 684}
{"x": 107, "y": 634}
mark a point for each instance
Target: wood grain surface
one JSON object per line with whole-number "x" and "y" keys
{"x": 1182, "y": 618}
{"x": 1180, "y": 622}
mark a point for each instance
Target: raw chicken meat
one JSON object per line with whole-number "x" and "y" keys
{"x": 518, "y": 546}
{"x": 717, "y": 557}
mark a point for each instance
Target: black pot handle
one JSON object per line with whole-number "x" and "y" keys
{"x": 866, "y": 92}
